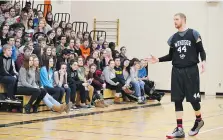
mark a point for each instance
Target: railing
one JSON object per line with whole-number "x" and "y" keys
{"x": 62, "y": 17}
{"x": 96, "y": 34}
{"x": 80, "y": 26}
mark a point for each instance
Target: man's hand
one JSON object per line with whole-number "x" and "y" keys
{"x": 203, "y": 66}
{"x": 152, "y": 60}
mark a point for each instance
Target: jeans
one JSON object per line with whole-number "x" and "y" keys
{"x": 74, "y": 88}
{"x": 138, "y": 87}
{"x": 67, "y": 96}
{"x": 10, "y": 83}
{"x": 55, "y": 92}
{"x": 50, "y": 101}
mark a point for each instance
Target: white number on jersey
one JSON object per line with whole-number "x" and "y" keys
{"x": 180, "y": 49}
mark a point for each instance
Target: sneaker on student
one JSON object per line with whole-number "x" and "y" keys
{"x": 197, "y": 126}
{"x": 141, "y": 102}
{"x": 11, "y": 100}
{"x": 177, "y": 133}
{"x": 83, "y": 105}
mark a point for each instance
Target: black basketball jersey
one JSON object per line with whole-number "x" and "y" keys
{"x": 184, "y": 49}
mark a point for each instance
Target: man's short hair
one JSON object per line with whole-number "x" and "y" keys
{"x": 181, "y": 15}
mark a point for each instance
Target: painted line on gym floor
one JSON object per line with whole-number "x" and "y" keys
{"x": 209, "y": 130}
{"x": 89, "y": 132}
{"x": 76, "y": 115}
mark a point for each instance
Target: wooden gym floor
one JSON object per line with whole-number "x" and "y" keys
{"x": 117, "y": 122}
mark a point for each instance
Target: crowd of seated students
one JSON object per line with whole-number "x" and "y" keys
{"x": 47, "y": 60}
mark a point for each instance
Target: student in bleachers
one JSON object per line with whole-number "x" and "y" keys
{"x": 71, "y": 44}
{"x": 72, "y": 35}
{"x": 27, "y": 52}
{"x": 49, "y": 18}
{"x": 11, "y": 42}
{"x": 62, "y": 46}
{"x": 29, "y": 44}
{"x": 83, "y": 76}
{"x": 17, "y": 45}
{"x": 123, "y": 53}
{"x": 137, "y": 84}
{"x": 42, "y": 26}
{"x": 105, "y": 44}
{"x": 75, "y": 83}
{"x": 30, "y": 28}
{"x": 77, "y": 50}
{"x": 62, "y": 25}
{"x": 17, "y": 8}
{"x": 55, "y": 25}
{"x": 12, "y": 12}
{"x": 54, "y": 56}
{"x": 97, "y": 61}
{"x": 7, "y": 75}
{"x": 47, "y": 53}
{"x": 87, "y": 36}
{"x": 89, "y": 61}
{"x": 23, "y": 17}
{"x": 112, "y": 81}
{"x": 47, "y": 99}
{"x": 27, "y": 84}
{"x": 63, "y": 58}
{"x": 121, "y": 79}
{"x": 80, "y": 36}
{"x": 98, "y": 85}
{"x": 112, "y": 46}
{"x": 93, "y": 46}
{"x": 85, "y": 50}
{"x": 11, "y": 19}
{"x": 103, "y": 63}
{"x": 69, "y": 26}
{"x": 60, "y": 80}
{"x": 4, "y": 34}
{"x": 30, "y": 13}
{"x": 67, "y": 34}
{"x": 47, "y": 80}
{"x": 89, "y": 89}
{"x": 37, "y": 19}
{"x": 149, "y": 85}
{"x": 100, "y": 44}
{"x": 51, "y": 37}
{"x": 5, "y": 16}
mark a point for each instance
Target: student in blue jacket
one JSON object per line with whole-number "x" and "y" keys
{"x": 46, "y": 79}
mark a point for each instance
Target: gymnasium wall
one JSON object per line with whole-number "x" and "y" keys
{"x": 145, "y": 27}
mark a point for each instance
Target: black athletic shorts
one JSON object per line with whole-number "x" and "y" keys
{"x": 185, "y": 82}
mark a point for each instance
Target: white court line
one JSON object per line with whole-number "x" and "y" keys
{"x": 209, "y": 130}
